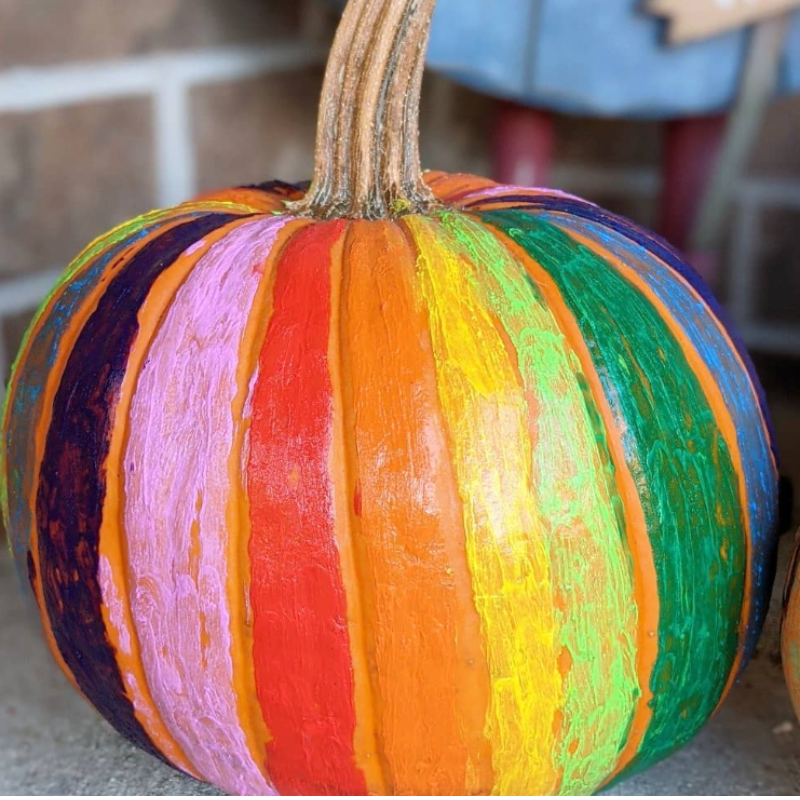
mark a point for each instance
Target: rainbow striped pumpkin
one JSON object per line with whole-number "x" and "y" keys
{"x": 474, "y": 494}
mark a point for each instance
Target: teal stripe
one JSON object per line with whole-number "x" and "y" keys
{"x": 681, "y": 464}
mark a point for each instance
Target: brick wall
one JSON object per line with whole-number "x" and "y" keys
{"x": 109, "y": 108}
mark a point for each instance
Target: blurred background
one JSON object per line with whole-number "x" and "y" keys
{"x": 109, "y": 108}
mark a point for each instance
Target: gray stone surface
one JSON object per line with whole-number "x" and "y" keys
{"x": 51, "y": 742}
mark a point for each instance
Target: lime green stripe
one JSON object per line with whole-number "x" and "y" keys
{"x": 684, "y": 471}
{"x": 574, "y": 485}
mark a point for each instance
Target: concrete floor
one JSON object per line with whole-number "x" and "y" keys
{"x": 52, "y": 743}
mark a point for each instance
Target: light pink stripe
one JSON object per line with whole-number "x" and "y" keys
{"x": 177, "y": 488}
{"x": 495, "y": 191}
{"x": 112, "y": 598}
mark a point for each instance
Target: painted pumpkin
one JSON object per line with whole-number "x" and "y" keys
{"x": 790, "y": 629}
{"x": 399, "y": 485}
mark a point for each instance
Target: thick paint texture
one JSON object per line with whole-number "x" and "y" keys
{"x": 676, "y": 450}
{"x": 683, "y": 305}
{"x": 72, "y": 477}
{"x": 177, "y": 488}
{"x": 573, "y": 483}
{"x": 480, "y": 502}
{"x": 408, "y": 531}
{"x": 297, "y": 595}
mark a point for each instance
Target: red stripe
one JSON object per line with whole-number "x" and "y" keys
{"x": 303, "y": 668}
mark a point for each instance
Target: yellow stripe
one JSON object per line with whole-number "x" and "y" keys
{"x": 575, "y": 486}
{"x": 487, "y": 420}
{"x": 639, "y": 545}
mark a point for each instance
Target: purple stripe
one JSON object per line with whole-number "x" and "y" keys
{"x": 72, "y": 485}
{"x": 27, "y": 393}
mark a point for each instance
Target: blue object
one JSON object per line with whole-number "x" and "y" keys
{"x": 596, "y": 57}
{"x": 592, "y": 57}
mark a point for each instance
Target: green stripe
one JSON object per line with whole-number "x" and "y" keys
{"x": 680, "y": 462}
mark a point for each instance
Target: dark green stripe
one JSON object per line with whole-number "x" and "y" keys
{"x": 683, "y": 469}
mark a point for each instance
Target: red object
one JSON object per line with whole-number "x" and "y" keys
{"x": 524, "y": 146}
{"x": 690, "y": 155}
{"x": 299, "y": 605}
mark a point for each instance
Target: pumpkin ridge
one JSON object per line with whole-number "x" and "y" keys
{"x": 37, "y": 411}
{"x": 71, "y": 480}
{"x": 662, "y": 250}
{"x": 173, "y": 449}
{"x": 116, "y": 241}
{"x": 698, "y": 643}
{"x": 486, "y": 764}
{"x": 635, "y": 527}
{"x": 505, "y": 547}
{"x": 430, "y": 717}
{"x": 575, "y": 483}
{"x": 724, "y": 423}
{"x": 238, "y": 507}
{"x": 298, "y": 598}
{"x": 727, "y": 369}
{"x": 344, "y": 465}
{"x": 115, "y": 573}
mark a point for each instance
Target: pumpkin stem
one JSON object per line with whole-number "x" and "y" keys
{"x": 367, "y": 163}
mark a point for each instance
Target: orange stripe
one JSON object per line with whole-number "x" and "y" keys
{"x": 446, "y": 187}
{"x": 645, "y": 583}
{"x": 722, "y": 416}
{"x": 348, "y": 532}
{"x": 430, "y": 673}
{"x": 253, "y": 200}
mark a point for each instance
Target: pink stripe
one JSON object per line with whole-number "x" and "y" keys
{"x": 498, "y": 191}
{"x": 177, "y": 490}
